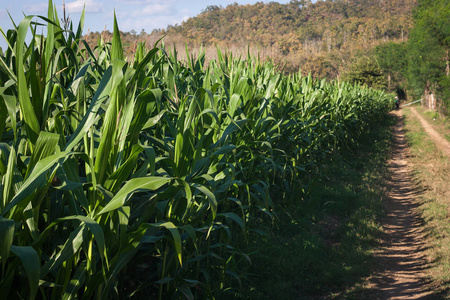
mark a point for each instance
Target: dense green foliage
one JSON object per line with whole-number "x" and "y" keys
{"x": 429, "y": 48}
{"x": 120, "y": 176}
{"x": 366, "y": 71}
{"x": 421, "y": 65}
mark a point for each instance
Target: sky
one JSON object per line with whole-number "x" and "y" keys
{"x": 131, "y": 14}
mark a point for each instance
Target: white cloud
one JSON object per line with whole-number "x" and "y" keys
{"x": 157, "y": 9}
{"x": 37, "y": 8}
{"x": 89, "y": 5}
{"x": 144, "y": 2}
{"x": 148, "y": 24}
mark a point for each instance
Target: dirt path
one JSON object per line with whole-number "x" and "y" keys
{"x": 442, "y": 143}
{"x": 401, "y": 261}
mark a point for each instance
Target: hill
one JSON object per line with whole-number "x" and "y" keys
{"x": 321, "y": 37}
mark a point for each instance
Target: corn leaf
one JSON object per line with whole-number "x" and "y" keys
{"x": 151, "y": 183}
{"x": 6, "y": 239}
{"x": 31, "y": 263}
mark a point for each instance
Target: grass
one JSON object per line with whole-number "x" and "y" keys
{"x": 431, "y": 169}
{"x": 324, "y": 247}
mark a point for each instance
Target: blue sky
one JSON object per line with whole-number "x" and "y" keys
{"x": 131, "y": 14}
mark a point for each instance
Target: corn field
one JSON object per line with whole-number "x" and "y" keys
{"x": 122, "y": 178}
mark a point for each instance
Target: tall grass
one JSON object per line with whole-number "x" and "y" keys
{"x": 150, "y": 167}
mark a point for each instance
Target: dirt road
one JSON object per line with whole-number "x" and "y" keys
{"x": 401, "y": 260}
{"x": 442, "y": 143}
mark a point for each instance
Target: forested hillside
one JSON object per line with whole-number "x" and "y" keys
{"x": 322, "y": 37}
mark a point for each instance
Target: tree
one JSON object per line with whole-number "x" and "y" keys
{"x": 366, "y": 70}
{"x": 428, "y": 51}
{"x": 392, "y": 59}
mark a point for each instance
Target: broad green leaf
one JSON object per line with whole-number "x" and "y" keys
{"x": 96, "y": 230}
{"x": 120, "y": 262}
{"x": 31, "y": 263}
{"x": 234, "y": 217}
{"x": 176, "y": 238}
{"x": 272, "y": 86}
{"x": 26, "y": 107}
{"x": 45, "y": 146}
{"x": 151, "y": 183}
{"x": 4, "y": 157}
{"x": 76, "y": 283}
{"x": 108, "y": 145}
{"x": 90, "y": 117}
{"x": 71, "y": 246}
{"x": 116, "y": 47}
{"x": 191, "y": 232}
{"x": 36, "y": 178}
{"x": 154, "y": 120}
{"x": 8, "y": 179}
{"x": 234, "y": 101}
{"x": 3, "y": 116}
{"x": 124, "y": 171}
{"x": 6, "y": 239}
{"x": 210, "y": 196}
{"x": 10, "y": 104}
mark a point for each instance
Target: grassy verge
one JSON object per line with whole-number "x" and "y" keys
{"x": 322, "y": 244}
{"x": 431, "y": 169}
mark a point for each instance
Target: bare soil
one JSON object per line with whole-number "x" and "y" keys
{"x": 401, "y": 261}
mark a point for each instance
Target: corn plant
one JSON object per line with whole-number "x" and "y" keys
{"x": 125, "y": 176}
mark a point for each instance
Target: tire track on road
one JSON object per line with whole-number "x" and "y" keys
{"x": 441, "y": 142}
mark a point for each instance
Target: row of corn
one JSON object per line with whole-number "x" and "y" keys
{"x": 129, "y": 178}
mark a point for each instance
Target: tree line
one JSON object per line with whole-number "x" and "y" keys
{"x": 320, "y": 38}
{"x": 420, "y": 66}
{"x": 400, "y": 46}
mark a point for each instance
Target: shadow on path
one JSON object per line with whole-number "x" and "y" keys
{"x": 401, "y": 261}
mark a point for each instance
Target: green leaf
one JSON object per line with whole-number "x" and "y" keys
{"x": 35, "y": 179}
{"x": 209, "y": 195}
{"x": 89, "y": 118}
{"x": 121, "y": 261}
{"x": 234, "y": 217}
{"x": 31, "y": 263}
{"x": 151, "y": 183}
{"x": 107, "y": 148}
{"x": 96, "y": 230}
{"x": 176, "y": 238}
{"x": 45, "y": 146}
{"x": 10, "y": 104}
{"x": 68, "y": 251}
{"x": 8, "y": 179}
{"x": 116, "y": 47}
{"x": 6, "y": 239}
{"x": 26, "y": 107}
{"x": 234, "y": 101}
{"x": 154, "y": 120}
{"x": 123, "y": 172}
{"x": 3, "y": 116}
{"x": 76, "y": 282}
{"x": 191, "y": 232}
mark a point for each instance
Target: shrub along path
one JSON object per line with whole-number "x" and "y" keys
{"x": 401, "y": 260}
